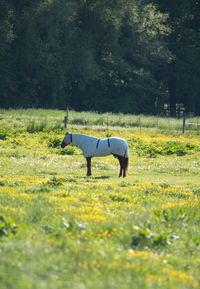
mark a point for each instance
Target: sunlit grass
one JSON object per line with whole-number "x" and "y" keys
{"x": 61, "y": 229}
{"x": 39, "y": 119}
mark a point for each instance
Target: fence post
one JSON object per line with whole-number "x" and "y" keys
{"x": 183, "y": 130}
{"x": 107, "y": 124}
{"x": 66, "y": 119}
{"x": 140, "y": 126}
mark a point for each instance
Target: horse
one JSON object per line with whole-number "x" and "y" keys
{"x": 92, "y": 146}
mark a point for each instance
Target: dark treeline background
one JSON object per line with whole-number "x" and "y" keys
{"x": 131, "y": 56}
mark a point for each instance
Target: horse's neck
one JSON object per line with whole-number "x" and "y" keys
{"x": 81, "y": 140}
{"x": 78, "y": 139}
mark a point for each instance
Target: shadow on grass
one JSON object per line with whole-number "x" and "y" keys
{"x": 76, "y": 179}
{"x": 101, "y": 177}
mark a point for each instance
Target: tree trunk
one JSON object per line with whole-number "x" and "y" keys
{"x": 172, "y": 90}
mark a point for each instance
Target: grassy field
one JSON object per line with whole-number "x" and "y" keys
{"x": 61, "y": 229}
{"x": 36, "y": 120}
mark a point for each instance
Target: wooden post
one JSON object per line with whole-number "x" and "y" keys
{"x": 183, "y": 130}
{"x": 66, "y": 119}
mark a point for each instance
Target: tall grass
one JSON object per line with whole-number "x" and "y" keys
{"x": 38, "y": 120}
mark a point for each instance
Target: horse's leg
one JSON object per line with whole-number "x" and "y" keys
{"x": 120, "y": 162}
{"x": 89, "y": 166}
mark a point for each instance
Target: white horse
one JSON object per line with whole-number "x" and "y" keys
{"x": 92, "y": 146}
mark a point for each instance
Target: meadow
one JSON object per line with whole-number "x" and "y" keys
{"x": 61, "y": 229}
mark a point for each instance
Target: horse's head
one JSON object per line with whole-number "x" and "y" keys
{"x": 66, "y": 140}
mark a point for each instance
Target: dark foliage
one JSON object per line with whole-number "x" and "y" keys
{"x": 122, "y": 55}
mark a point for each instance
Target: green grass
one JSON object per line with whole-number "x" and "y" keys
{"x": 61, "y": 229}
{"x": 38, "y": 120}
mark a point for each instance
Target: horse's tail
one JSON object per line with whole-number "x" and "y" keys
{"x": 126, "y": 163}
{"x": 126, "y": 160}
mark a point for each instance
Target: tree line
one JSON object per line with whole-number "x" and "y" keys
{"x": 130, "y": 56}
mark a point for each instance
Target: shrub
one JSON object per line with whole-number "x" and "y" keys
{"x": 54, "y": 142}
{"x": 146, "y": 238}
{"x": 177, "y": 148}
{"x": 167, "y": 148}
{"x": 147, "y": 150}
{"x": 7, "y": 226}
{"x": 67, "y": 151}
{"x": 4, "y": 133}
{"x": 16, "y": 142}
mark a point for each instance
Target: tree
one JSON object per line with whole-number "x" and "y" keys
{"x": 88, "y": 54}
{"x": 129, "y": 48}
{"x": 6, "y": 39}
{"x": 184, "y": 70}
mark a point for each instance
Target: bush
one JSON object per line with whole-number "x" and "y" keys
{"x": 177, "y": 148}
{"x": 67, "y": 151}
{"x": 167, "y": 148}
{"x": 145, "y": 238}
{"x": 147, "y": 150}
{"x": 4, "y": 133}
{"x": 7, "y": 226}
{"x": 54, "y": 142}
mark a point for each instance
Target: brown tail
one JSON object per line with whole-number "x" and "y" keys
{"x": 126, "y": 163}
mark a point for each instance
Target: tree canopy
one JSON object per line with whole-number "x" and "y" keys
{"x": 130, "y": 56}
